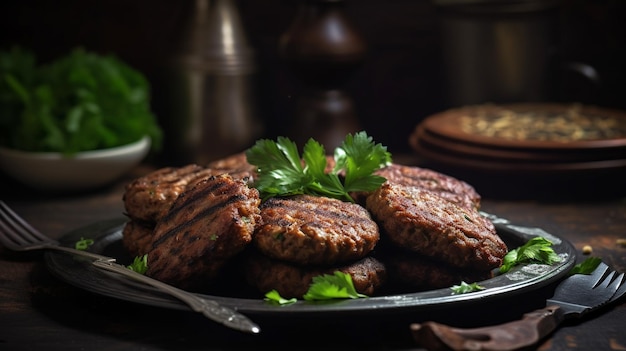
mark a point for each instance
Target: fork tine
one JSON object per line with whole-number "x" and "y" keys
{"x": 17, "y": 231}
{"x": 9, "y": 239}
{"x": 621, "y": 287}
{"x": 592, "y": 280}
{"x": 6, "y": 238}
{"x": 606, "y": 281}
{"x": 598, "y": 274}
{"x": 16, "y": 220}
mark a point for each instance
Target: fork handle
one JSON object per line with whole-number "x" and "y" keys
{"x": 77, "y": 252}
{"x": 508, "y": 336}
{"x": 209, "y": 308}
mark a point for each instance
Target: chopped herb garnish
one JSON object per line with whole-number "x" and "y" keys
{"x": 83, "y": 244}
{"x": 139, "y": 265}
{"x": 283, "y": 172}
{"x": 274, "y": 296}
{"x": 336, "y": 286}
{"x": 535, "y": 250}
{"x": 464, "y": 288}
{"x": 586, "y": 267}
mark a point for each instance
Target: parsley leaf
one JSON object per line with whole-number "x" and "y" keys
{"x": 360, "y": 157}
{"x": 586, "y": 267}
{"x": 537, "y": 249}
{"x": 83, "y": 244}
{"x": 336, "y": 286}
{"x": 274, "y": 296}
{"x": 466, "y": 288}
{"x": 139, "y": 265}
{"x": 283, "y": 172}
{"x": 279, "y": 167}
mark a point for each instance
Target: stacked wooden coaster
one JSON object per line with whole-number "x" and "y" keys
{"x": 537, "y": 139}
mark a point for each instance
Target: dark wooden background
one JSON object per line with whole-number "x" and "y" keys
{"x": 399, "y": 83}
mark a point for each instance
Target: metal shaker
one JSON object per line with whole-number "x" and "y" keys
{"x": 211, "y": 102}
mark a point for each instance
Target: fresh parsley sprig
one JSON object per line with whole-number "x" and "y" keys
{"x": 83, "y": 244}
{"x": 283, "y": 171}
{"x": 537, "y": 249}
{"x": 338, "y": 285}
{"x": 465, "y": 288}
{"x": 587, "y": 266}
{"x": 139, "y": 264}
{"x": 274, "y": 296}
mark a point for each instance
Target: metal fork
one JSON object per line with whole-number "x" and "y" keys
{"x": 574, "y": 297}
{"x": 18, "y": 235}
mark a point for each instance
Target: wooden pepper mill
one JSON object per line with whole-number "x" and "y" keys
{"x": 323, "y": 49}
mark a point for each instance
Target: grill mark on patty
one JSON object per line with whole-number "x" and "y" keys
{"x": 446, "y": 186}
{"x": 148, "y": 198}
{"x": 306, "y": 229}
{"x": 321, "y": 216}
{"x": 195, "y": 196}
{"x": 322, "y": 210}
{"x": 421, "y": 221}
{"x": 208, "y": 225}
{"x": 200, "y": 215}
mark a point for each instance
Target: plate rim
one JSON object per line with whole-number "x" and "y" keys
{"x": 100, "y": 281}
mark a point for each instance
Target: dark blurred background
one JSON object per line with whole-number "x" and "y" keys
{"x": 398, "y": 84}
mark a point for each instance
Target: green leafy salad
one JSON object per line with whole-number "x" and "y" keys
{"x": 78, "y": 102}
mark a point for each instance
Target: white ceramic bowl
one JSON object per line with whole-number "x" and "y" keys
{"x": 52, "y": 171}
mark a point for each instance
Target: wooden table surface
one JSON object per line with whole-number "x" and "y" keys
{"x": 40, "y": 312}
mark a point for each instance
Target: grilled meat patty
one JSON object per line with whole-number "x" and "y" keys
{"x": 148, "y": 198}
{"x": 313, "y": 230}
{"x": 297, "y": 238}
{"x": 291, "y": 280}
{"x": 422, "y": 221}
{"x": 410, "y": 270}
{"x": 236, "y": 165}
{"x": 137, "y": 238}
{"x": 448, "y": 187}
{"x": 205, "y": 227}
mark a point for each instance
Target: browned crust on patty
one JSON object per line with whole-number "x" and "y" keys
{"x": 290, "y": 280}
{"x": 206, "y": 226}
{"x": 149, "y": 197}
{"x": 236, "y": 165}
{"x": 448, "y": 187}
{"x": 137, "y": 238}
{"x": 414, "y": 271}
{"x": 422, "y": 221}
{"x": 315, "y": 230}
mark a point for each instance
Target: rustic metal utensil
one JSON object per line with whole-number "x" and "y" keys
{"x": 576, "y": 296}
{"x": 18, "y": 235}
